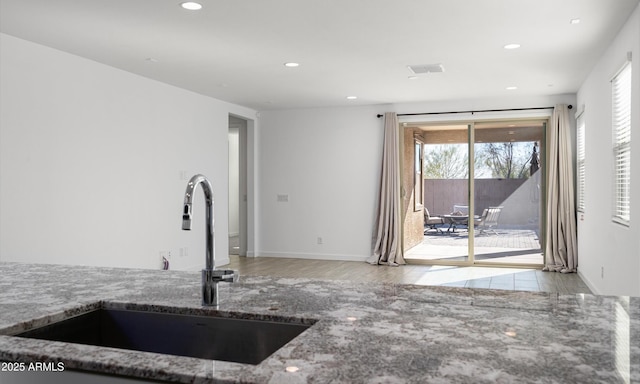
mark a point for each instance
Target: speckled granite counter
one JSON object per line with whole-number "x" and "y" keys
{"x": 366, "y": 333}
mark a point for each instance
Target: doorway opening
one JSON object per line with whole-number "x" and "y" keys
{"x": 482, "y": 191}
{"x": 238, "y": 209}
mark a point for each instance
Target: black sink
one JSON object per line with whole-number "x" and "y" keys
{"x": 205, "y": 337}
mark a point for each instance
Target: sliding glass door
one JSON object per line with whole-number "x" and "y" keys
{"x": 489, "y": 210}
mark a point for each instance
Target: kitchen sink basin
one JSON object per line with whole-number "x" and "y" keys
{"x": 205, "y": 337}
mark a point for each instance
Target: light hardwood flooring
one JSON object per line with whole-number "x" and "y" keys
{"x": 521, "y": 279}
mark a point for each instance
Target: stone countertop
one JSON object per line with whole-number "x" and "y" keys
{"x": 366, "y": 332}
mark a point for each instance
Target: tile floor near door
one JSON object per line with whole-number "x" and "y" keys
{"x": 521, "y": 279}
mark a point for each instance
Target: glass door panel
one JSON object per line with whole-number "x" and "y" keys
{"x": 508, "y": 192}
{"x": 446, "y": 196}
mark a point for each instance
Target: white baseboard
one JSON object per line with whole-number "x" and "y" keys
{"x": 313, "y": 256}
{"x": 592, "y": 287}
{"x": 222, "y": 260}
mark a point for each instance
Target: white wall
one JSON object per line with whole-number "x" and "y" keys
{"x": 92, "y": 159}
{"x": 603, "y": 244}
{"x": 328, "y": 161}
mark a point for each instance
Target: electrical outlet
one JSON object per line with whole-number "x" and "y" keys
{"x": 184, "y": 252}
{"x": 283, "y": 198}
{"x": 602, "y": 272}
{"x": 320, "y": 240}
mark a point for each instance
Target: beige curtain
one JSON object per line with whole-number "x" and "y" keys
{"x": 388, "y": 247}
{"x": 561, "y": 251}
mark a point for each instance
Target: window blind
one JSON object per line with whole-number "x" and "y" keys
{"x": 581, "y": 164}
{"x": 621, "y": 123}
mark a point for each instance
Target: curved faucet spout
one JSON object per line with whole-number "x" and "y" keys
{"x": 210, "y": 277}
{"x": 187, "y": 213}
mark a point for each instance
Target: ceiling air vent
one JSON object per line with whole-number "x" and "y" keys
{"x": 425, "y": 68}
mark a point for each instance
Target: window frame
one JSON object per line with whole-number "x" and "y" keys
{"x": 621, "y": 143}
{"x": 418, "y": 174}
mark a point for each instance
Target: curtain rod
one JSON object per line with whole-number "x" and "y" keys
{"x": 472, "y": 112}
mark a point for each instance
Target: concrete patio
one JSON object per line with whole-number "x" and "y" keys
{"x": 510, "y": 245}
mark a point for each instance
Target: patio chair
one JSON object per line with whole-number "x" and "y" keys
{"x": 488, "y": 220}
{"x": 431, "y": 222}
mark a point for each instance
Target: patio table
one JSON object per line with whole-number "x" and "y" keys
{"x": 455, "y": 220}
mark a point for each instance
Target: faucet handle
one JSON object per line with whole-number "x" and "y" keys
{"x": 226, "y": 275}
{"x": 210, "y": 280}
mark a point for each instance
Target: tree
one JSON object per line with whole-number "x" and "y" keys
{"x": 506, "y": 160}
{"x": 446, "y": 162}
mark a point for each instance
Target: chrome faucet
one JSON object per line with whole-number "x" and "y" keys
{"x": 210, "y": 276}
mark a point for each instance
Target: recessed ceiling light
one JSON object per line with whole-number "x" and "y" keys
{"x": 291, "y": 65}
{"x": 352, "y": 97}
{"x": 512, "y": 46}
{"x": 292, "y": 369}
{"x": 512, "y": 88}
{"x": 574, "y": 21}
{"x": 191, "y": 5}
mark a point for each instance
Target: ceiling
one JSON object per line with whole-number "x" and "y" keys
{"x": 234, "y": 50}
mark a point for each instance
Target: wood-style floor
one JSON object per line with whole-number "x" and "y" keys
{"x": 521, "y": 279}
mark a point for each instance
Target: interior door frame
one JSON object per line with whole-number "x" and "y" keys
{"x": 246, "y": 187}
